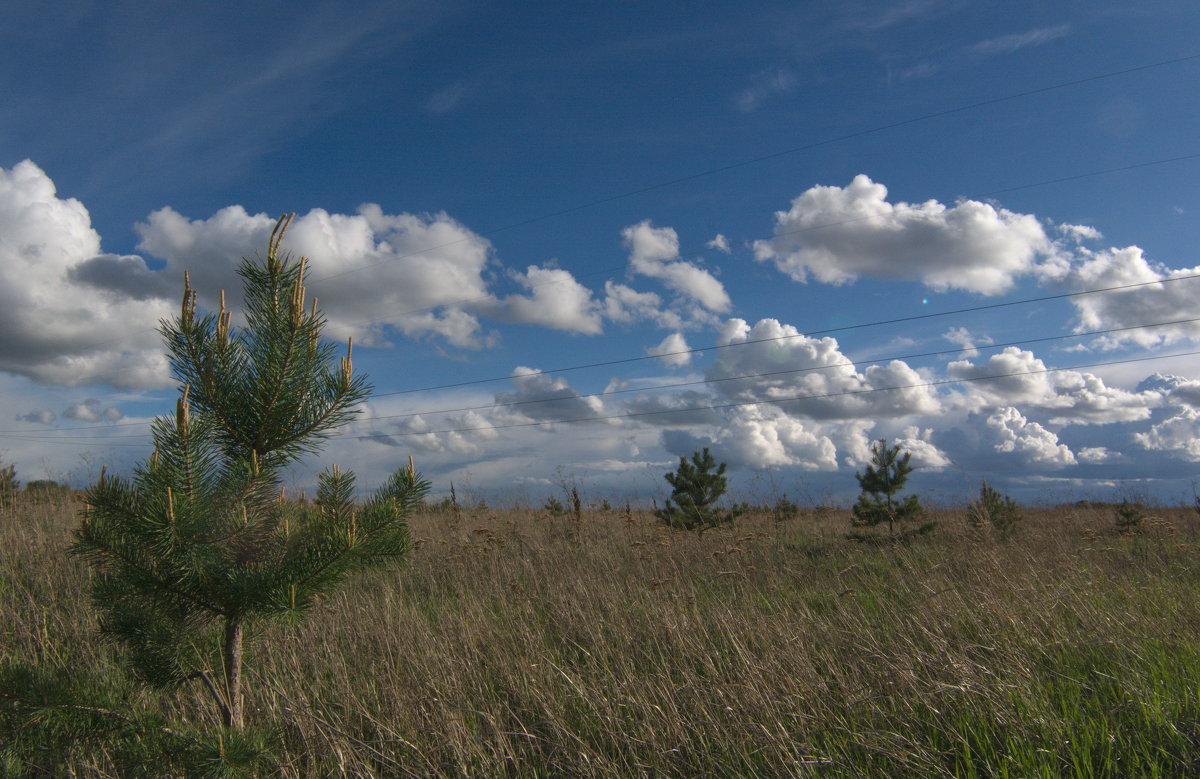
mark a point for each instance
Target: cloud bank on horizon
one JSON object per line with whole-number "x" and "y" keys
{"x": 768, "y": 396}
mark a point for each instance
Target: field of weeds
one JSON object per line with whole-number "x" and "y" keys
{"x": 514, "y": 643}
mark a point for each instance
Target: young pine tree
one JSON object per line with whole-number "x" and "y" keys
{"x": 880, "y": 484}
{"x": 199, "y": 545}
{"x": 695, "y": 491}
{"x": 999, "y": 511}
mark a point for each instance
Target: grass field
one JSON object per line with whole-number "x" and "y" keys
{"x": 513, "y": 643}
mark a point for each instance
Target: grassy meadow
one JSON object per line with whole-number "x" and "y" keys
{"x": 515, "y": 643}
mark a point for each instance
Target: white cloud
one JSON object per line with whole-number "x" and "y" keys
{"x": 90, "y": 411}
{"x": 837, "y": 235}
{"x": 1151, "y": 304}
{"x": 672, "y": 351}
{"x": 917, "y": 442}
{"x": 460, "y": 436}
{"x": 1080, "y": 233}
{"x": 654, "y": 252}
{"x": 964, "y": 338}
{"x": 762, "y": 437}
{"x": 1013, "y": 434}
{"x": 1100, "y": 455}
{"x": 1007, "y": 44}
{"x": 720, "y": 243}
{"x": 779, "y": 363}
{"x": 368, "y": 269}
{"x": 1180, "y": 434}
{"x": 1070, "y": 396}
{"x": 56, "y": 328}
{"x": 558, "y": 301}
{"x": 627, "y": 305}
{"x": 539, "y": 396}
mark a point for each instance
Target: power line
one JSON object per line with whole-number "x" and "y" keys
{"x": 798, "y": 231}
{"x": 747, "y": 343}
{"x": 825, "y": 331}
{"x": 809, "y": 369}
{"x": 712, "y": 407}
{"x": 777, "y": 154}
{"x": 739, "y": 404}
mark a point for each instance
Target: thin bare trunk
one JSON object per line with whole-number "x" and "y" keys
{"x": 233, "y": 673}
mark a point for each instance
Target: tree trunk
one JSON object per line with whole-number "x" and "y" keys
{"x": 233, "y": 673}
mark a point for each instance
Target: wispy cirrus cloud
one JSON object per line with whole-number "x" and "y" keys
{"x": 1009, "y": 44}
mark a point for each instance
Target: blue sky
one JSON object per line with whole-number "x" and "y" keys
{"x": 492, "y": 191}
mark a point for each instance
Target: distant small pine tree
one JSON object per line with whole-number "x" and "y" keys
{"x": 9, "y": 486}
{"x": 697, "y": 488}
{"x": 1000, "y": 512}
{"x": 1128, "y": 517}
{"x": 879, "y": 501}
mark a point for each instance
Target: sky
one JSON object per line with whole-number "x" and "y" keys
{"x": 575, "y": 241}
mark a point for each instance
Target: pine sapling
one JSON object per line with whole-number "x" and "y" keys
{"x": 881, "y": 482}
{"x": 1000, "y": 512}
{"x": 1128, "y": 517}
{"x": 199, "y": 545}
{"x": 696, "y": 489}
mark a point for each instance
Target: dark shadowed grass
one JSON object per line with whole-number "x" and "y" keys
{"x": 516, "y": 644}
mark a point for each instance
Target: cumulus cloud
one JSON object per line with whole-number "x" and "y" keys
{"x": 1016, "y": 376}
{"x": 1179, "y": 434}
{"x": 1169, "y": 301}
{"x": 460, "y": 435}
{"x": 1099, "y": 455}
{"x": 918, "y": 442}
{"x": 838, "y": 234}
{"x": 558, "y": 302}
{"x": 965, "y": 339}
{"x": 674, "y": 409}
{"x": 773, "y": 362}
{"x": 654, "y": 252}
{"x": 417, "y": 273}
{"x": 58, "y": 328}
{"x": 90, "y": 411}
{"x": 672, "y": 351}
{"x": 1013, "y": 434}
{"x": 627, "y": 305}
{"x": 38, "y": 416}
{"x": 761, "y": 437}
{"x": 539, "y": 396}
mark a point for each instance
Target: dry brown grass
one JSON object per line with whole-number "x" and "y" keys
{"x": 515, "y": 644}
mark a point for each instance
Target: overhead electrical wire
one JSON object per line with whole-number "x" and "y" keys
{"x": 790, "y": 399}
{"x": 750, "y": 161}
{"x": 807, "y": 333}
{"x": 808, "y": 369}
{"x": 782, "y": 153}
{"x": 701, "y": 349}
{"x": 33, "y": 436}
{"x": 798, "y": 231}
